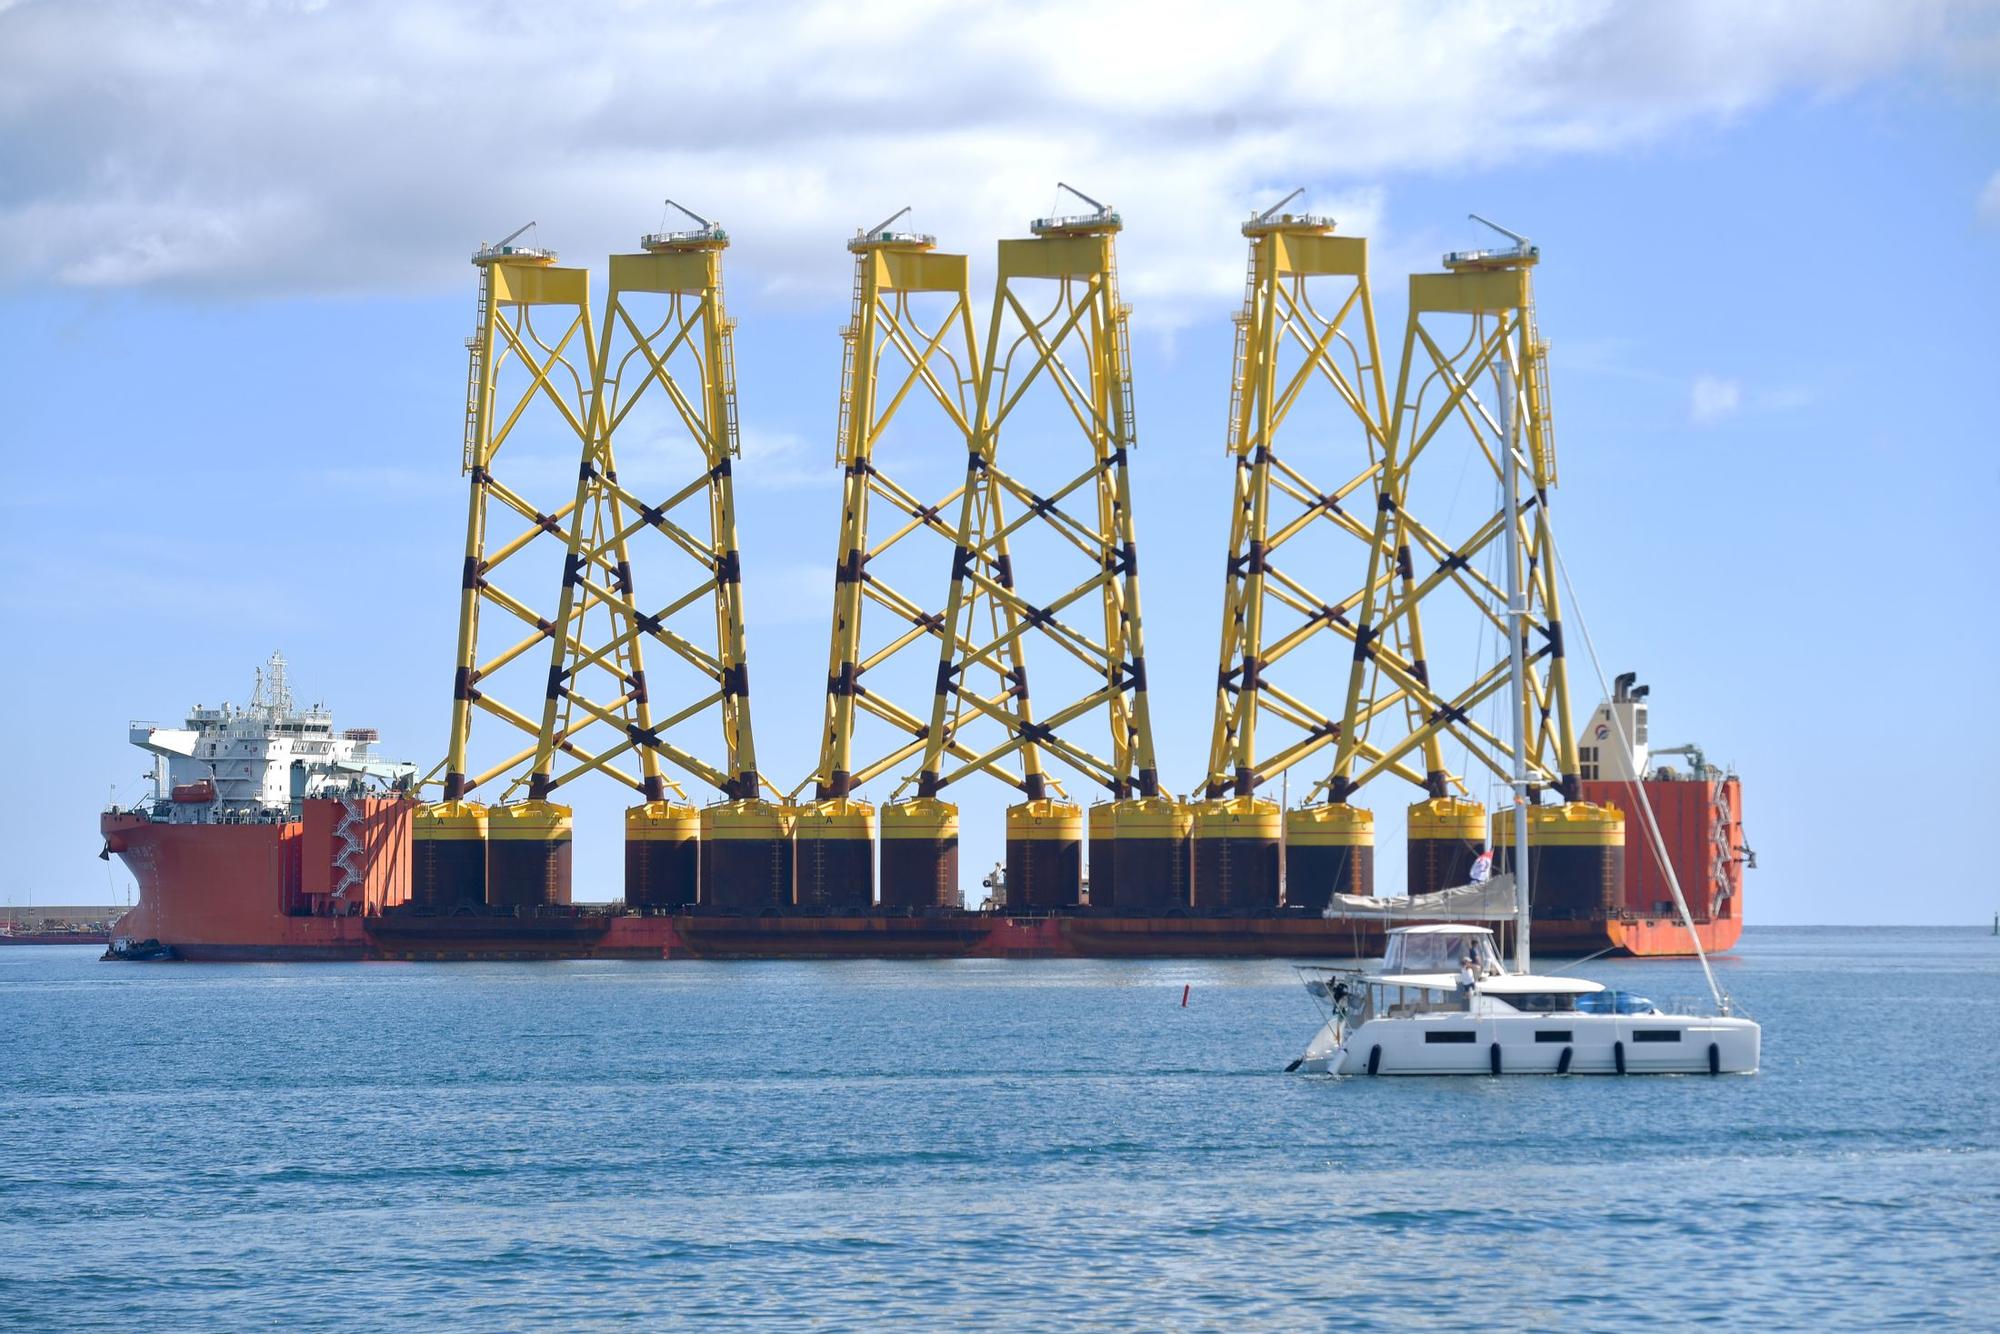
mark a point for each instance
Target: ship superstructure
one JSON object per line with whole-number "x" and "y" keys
{"x": 260, "y": 761}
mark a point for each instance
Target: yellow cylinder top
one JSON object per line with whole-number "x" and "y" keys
{"x": 1577, "y": 824}
{"x": 1332, "y": 825}
{"x": 836, "y": 817}
{"x": 1153, "y": 817}
{"x": 923, "y": 817}
{"x": 662, "y": 821}
{"x": 1103, "y": 819}
{"x": 746, "y": 820}
{"x": 529, "y": 820}
{"x": 1045, "y": 818}
{"x": 1448, "y": 817}
{"x": 1238, "y": 817}
{"x": 449, "y": 820}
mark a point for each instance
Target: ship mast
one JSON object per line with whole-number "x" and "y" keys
{"x": 1517, "y": 690}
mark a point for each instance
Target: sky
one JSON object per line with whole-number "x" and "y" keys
{"x": 233, "y": 245}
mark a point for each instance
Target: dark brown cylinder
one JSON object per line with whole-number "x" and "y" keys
{"x": 746, "y": 856}
{"x": 662, "y": 857}
{"x": 1044, "y": 856}
{"x": 833, "y": 857}
{"x": 919, "y": 855}
{"x": 1445, "y": 837}
{"x": 1236, "y": 855}
{"x": 448, "y": 857}
{"x": 528, "y": 855}
{"x": 1154, "y": 858}
{"x": 1329, "y": 850}
{"x": 1576, "y": 859}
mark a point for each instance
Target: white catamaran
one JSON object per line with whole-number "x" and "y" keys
{"x": 1442, "y": 1003}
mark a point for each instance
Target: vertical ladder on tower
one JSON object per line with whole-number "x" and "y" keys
{"x": 474, "y": 375}
{"x": 1121, "y": 316}
{"x": 1239, "y": 362}
{"x": 725, "y": 372}
{"x": 848, "y": 338}
{"x": 1544, "y": 415}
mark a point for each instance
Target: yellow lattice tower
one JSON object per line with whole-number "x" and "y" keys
{"x": 1473, "y": 367}
{"x": 911, "y": 364}
{"x": 524, "y": 385}
{"x": 1056, "y": 294}
{"x": 1307, "y": 380}
{"x": 667, "y": 388}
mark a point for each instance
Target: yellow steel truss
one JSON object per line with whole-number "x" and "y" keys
{"x": 1306, "y": 337}
{"x": 666, "y": 341}
{"x": 544, "y": 389}
{"x": 1472, "y": 362}
{"x": 1072, "y": 263}
{"x": 894, "y": 360}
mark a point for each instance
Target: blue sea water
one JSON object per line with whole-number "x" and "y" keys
{"x": 972, "y": 1143}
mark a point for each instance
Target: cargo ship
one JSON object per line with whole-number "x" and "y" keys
{"x": 269, "y": 835}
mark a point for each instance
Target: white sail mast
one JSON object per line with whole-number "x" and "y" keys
{"x": 1517, "y": 613}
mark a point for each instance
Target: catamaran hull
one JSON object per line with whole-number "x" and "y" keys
{"x": 1575, "y": 1044}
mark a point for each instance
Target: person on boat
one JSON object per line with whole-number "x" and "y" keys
{"x": 1468, "y": 978}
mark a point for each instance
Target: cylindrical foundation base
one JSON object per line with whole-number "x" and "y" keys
{"x": 1154, "y": 858}
{"x": 662, "y": 856}
{"x": 1576, "y": 859}
{"x": 1447, "y": 835}
{"x": 1236, "y": 855}
{"x": 919, "y": 855}
{"x": 833, "y": 856}
{"x": 528, "y": 855}
{"x": 448, "y": 857}
{"x": 746, "y": 856}
{"x": 1328, "y": 850}
{"x": 1044, "y": 855}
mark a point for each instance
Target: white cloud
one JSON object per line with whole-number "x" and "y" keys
{"x": 268, "y": 147}
{"x": 1989, "y": 201}
{"x": 1713, "y": 398}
